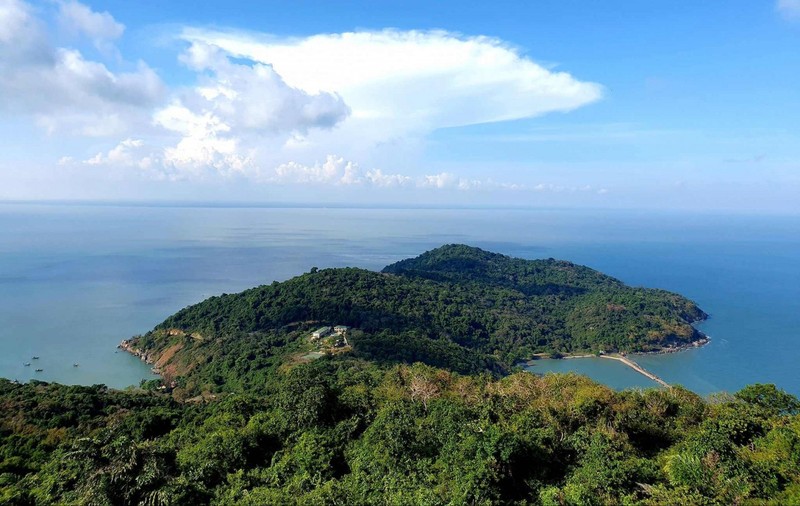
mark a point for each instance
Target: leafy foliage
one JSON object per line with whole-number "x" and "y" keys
{"x": 352, "y": 432}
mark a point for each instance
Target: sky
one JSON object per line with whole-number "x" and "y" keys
{"x": 661, "y": 104}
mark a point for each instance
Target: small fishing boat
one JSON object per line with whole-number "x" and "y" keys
{"x": 35, "y": 358}
{"x": 27, "y": 364}
{"x": 39, "y": 370}
{"x": 75, "y": 365}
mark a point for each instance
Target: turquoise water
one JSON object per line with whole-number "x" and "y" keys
{"x": 610, "y": 372}
{"x": 75, "y": 280}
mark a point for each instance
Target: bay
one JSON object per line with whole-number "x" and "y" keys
{"x": 77, "y": 279}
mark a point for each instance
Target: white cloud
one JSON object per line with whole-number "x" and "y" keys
{"x": 237, "y": 115}
{"x": 443, "y": 180}
{"x": 415, "y": 80}
{"x": 257, "y": 99}
{"x": 61, "y": 88}
{"x": 332, "y": 171}
{"x": 128, "y": 153}
{"x": 789, "y": 9}
{"x": 21, "y": 34}
{"x": 335, "y": 170}
{"x": 100, "y": 27}
{"x": 204, "y": 143}
{"x": 376, "y": 177}
{"x": 338, "y": 171}
{"x": 185, "y": 161}
{"x": 557, "y": 188}
{"x": 450, "y": 181}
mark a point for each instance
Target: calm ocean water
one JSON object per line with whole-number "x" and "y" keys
{"x": 75, "y": 280}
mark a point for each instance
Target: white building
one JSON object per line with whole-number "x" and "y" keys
{"x": 320, "y": 332}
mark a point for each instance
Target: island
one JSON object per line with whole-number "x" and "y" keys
{"x": 347, "y": 386}
{"x": 456, "y": 307}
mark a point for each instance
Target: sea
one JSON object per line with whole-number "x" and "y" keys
{"x": 76, "y": 279}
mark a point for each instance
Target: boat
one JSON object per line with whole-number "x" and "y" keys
{"x": 35, "y": 358}
{"x": 75, "y": 365}
{"x": 39, "y": 370}
{"x": 27, "y": 364}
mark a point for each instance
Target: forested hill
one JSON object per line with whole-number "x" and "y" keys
{"x": 456, "y": 307}
{"x": 457, "y": 263}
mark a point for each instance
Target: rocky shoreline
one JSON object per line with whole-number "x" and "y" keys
{"x": 675, "y": 349}
{"x": 146, "y": 357}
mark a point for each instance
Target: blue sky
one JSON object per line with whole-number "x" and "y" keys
{"x": 631, "y": 104}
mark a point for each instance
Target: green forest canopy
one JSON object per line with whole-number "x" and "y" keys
{"x": 456, "y": 307}
{"x": 352, "y": 432}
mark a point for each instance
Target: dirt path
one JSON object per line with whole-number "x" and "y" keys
{"x": 636, "y": 367}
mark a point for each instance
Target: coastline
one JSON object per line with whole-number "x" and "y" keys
{"x": 663, "y": 351}
{"x": 625, "y": 359}
{"x": 675, "y": 349}
{"x": 126, "y": 346}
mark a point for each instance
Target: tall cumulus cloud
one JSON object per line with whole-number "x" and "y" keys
{"x": 292, "y": 102}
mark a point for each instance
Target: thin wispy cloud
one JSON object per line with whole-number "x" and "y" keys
{"x": 789, "y": 9}
{"x": 600, "y": 133}
{"x": 750, "y": 159}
